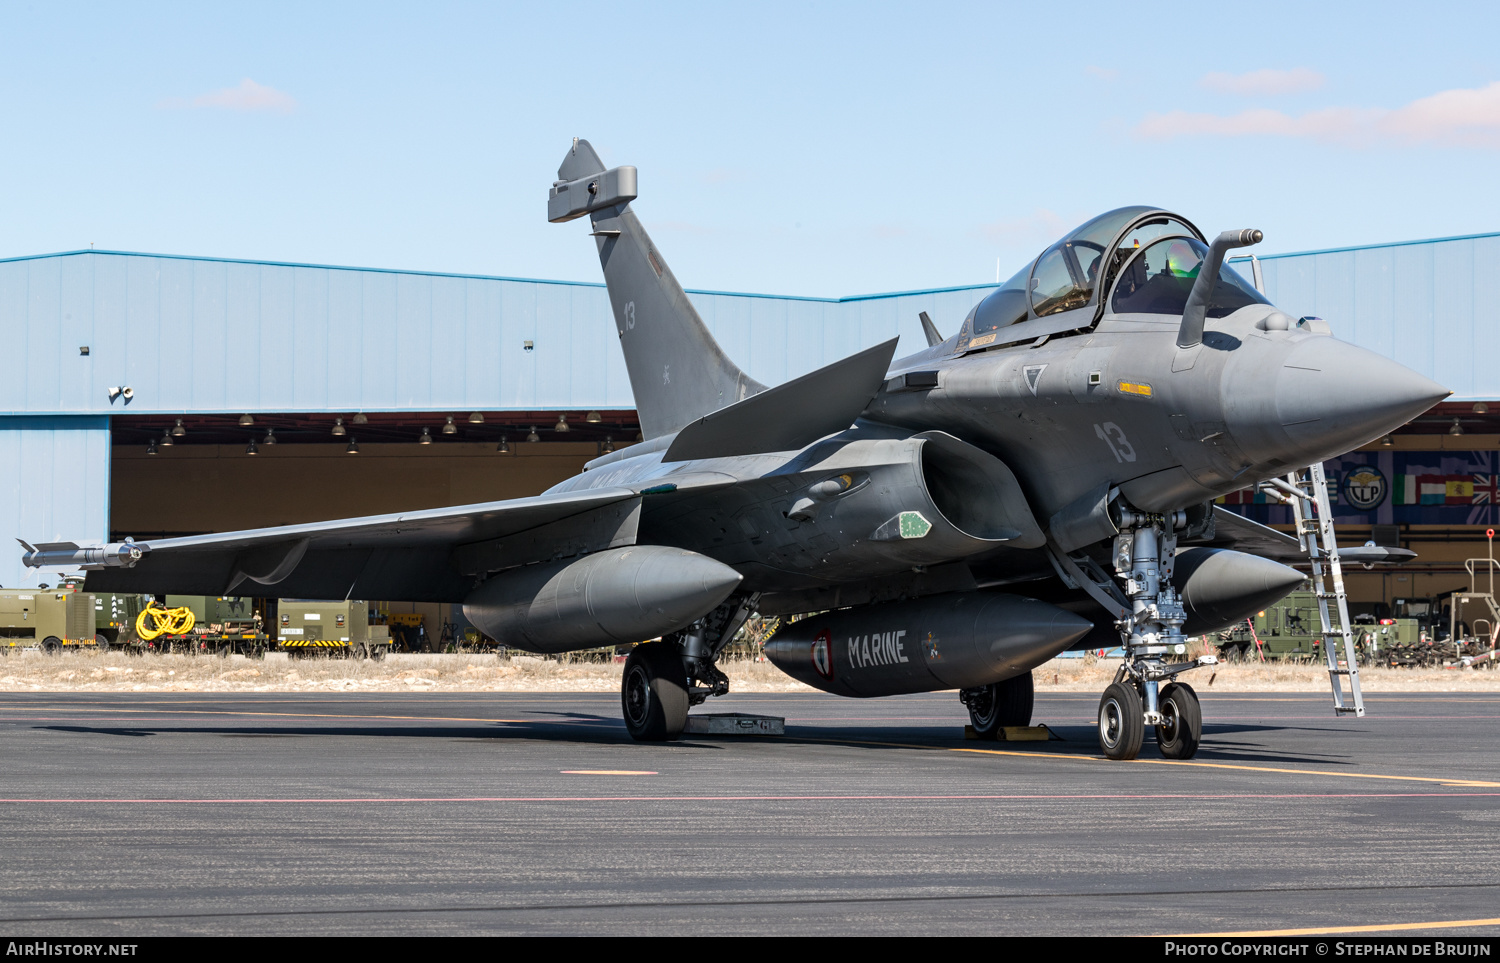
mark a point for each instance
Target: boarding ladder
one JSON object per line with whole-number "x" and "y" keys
{"x": 1307, "y": 492}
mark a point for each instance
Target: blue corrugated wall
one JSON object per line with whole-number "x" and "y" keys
{"x": 54, "y": 486}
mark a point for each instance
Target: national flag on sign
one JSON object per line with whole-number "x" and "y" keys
{"x": 1432, "y": 490}
{"x": 1404, "y": 490}
{"x": 1459, "y": 490}
{"x": 1484, "y": 490}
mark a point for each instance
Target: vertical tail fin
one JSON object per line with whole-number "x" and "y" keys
{"x": 677, "y": 371}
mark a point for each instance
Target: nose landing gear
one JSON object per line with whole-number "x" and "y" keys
{"x": 1150, "y": 623}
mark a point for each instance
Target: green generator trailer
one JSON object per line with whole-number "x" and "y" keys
{"x": 310, "y": 627}
{"x": 49, "y": 620}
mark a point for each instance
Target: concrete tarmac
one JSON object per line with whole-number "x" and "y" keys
{"x": 464, "y": 813}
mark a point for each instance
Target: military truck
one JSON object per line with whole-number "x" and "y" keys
{"x": 1292, "y": 629}
{"x": 115, "y": 615}
{"x": 310, "y": 627}
{"x": 51, "y": 620}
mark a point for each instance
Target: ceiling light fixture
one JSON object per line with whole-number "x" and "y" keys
{"x": 533, "y": 436}
{"x": 426, "y": 438}
{"x": 504, "y": 446}
{"x": 562, "y": 423}
{"x": 246, "y": 421}
{"x": 609, "y": 445}
{"x": 360, "y": 419}
{"x": 270, "y": 438}
{"x": 177, "y": 430}
{"x": 339, "y": 430}
{"x": 449, "y": 428}
{"x": 1457, "y": 429}
{"x": 352, "y": 448}
{"x": 593, "y": 417}
{"x": 250, "y": 449}
{"x": 476, "y": 419}
{"x": 166, "y": 440}
{"x": 1480, "y": 408}
{"x": 1386, "y": 442}
{"x": 151, "y": 447}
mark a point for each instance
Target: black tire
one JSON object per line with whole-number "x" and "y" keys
{"x": 52, "y": 645}
{"x": 225, "y": 650}
{"x": 358, "y": 652}
{"x": 378, "y": 652}
{"x": 1122, "y": 724}
{"x": 255, "y": 652}
{"x": 1001, "y": 704}
{"x": 101, "y": 644}
{"x": 653, "y": 692}
{"x": 1183, "y": 731}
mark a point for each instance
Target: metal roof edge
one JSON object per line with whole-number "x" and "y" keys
{"x": 1369, "y": 247}
{"x": 482, "y": 277}
{"x": 298, "y": 264}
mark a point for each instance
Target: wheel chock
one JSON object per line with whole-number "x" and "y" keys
{"x": 734, "y": 724}
{"x": 1016, "y": 734}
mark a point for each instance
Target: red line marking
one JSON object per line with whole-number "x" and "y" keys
{"x": 840, "y": 798}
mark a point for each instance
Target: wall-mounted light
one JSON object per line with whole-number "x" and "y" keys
{"x": 83, "y": 350}
{"x": 338, "y": 428}
{"x": 426, "y": 438}
{"x": 121, "y": 391}
{"x": 449, "y": 428}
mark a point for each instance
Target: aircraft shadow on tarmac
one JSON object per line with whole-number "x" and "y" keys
{"x": 1081, "y": 740}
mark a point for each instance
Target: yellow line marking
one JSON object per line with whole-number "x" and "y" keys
{"x": 1378, "y": 928}
{"x": 1440, "y": 780}
{"x": 607, "y": 772}
{"x": 300, "y": 715}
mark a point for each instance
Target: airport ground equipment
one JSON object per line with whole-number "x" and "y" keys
{"x": 200, "y": 625}
{"x": 49, "y": 620}
{"x": 408, "y": 632}
{"x": 308, "y": 627}
{"x": 1063, "y": 447}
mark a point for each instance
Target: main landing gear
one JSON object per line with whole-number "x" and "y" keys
{"x": 1150, "y": 630}
{"x": 663, "y": 679}
{"x": 997, "y": 705}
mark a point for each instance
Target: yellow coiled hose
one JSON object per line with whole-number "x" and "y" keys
{"x": 156, "y": 619}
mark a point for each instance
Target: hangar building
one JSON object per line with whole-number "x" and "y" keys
{"x": 154, "y": 395}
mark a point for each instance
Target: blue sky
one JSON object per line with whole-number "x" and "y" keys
{"x": 797, "y": 148}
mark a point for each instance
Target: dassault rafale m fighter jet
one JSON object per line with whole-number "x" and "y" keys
{"x": 1041, "y": 480}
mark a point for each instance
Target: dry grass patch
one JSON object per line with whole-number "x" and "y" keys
{"x": 117, "y": 672}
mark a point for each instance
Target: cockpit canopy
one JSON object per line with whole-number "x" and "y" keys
{"x": 1159, "y": 252}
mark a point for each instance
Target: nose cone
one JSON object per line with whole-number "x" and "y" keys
{"x": 1326, "y": 397}
{"x": 1334, "y": 396}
